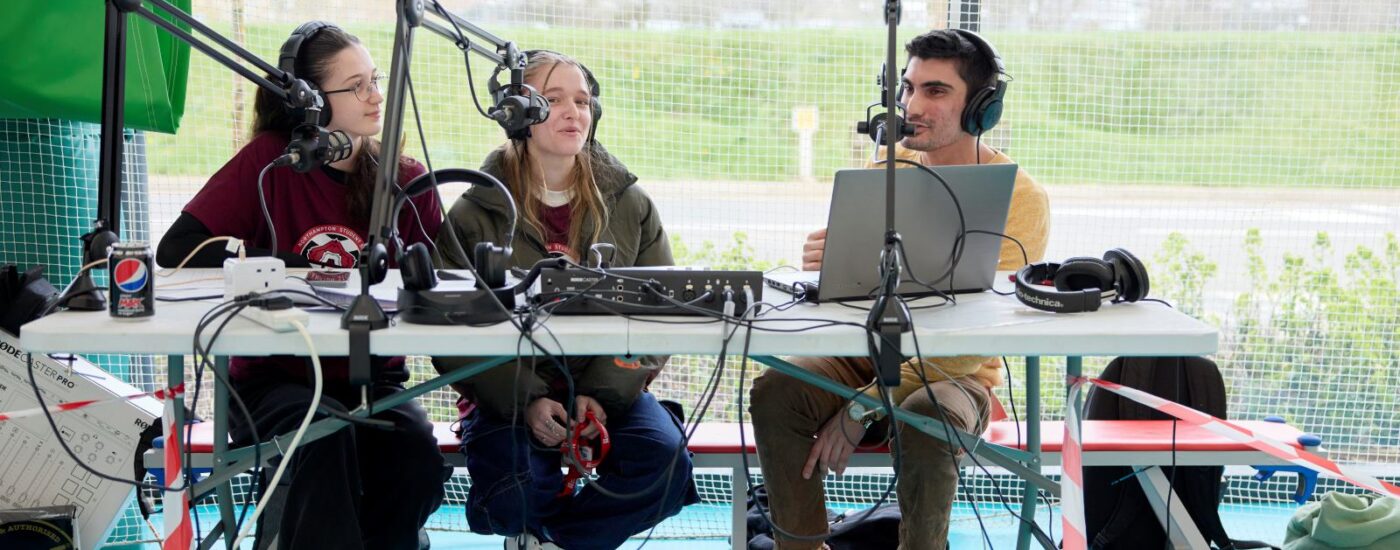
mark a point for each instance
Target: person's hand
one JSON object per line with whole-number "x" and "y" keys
{"x": 547, "y": 420}
{"x": 835, "y": 443}
{"x": 813, "y": 249}
{"x": 583, "y": 405}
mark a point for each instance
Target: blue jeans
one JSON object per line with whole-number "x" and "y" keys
{"x": 514, "y": 483}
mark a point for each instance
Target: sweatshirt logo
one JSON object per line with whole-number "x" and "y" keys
{"x": 331, "y": 245}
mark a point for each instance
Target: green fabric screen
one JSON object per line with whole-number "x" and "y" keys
{"x": 54, "y": 65}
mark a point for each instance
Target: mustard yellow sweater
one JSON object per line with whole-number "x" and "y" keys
{"x": 1029, "y": 222}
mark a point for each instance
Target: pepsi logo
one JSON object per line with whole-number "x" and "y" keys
{"x": 130, "y": 275}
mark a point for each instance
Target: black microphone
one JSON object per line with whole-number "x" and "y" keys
{"x": 517, "y": 112}
{"x": 876, "y": 127}
{"x": 313, "y": 146}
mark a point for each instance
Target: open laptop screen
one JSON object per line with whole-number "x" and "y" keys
{"x": 927, "y": 220}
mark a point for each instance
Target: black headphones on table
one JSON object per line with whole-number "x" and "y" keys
{"x": 416, "y": 262}
{"x": 1082, "y": 283}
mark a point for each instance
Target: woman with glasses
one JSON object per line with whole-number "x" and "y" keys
{"x": 360, "y": 487}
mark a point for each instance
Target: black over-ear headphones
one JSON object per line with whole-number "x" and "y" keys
{"x": 287, "y": 62}
{"x": 983, "y": 109}
{"x": 499, "y": 93}
{"x": 415, "y": 261}
{"x": 1082, "y": 283}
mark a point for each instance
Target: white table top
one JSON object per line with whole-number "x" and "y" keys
{"x": 980, "y": 324}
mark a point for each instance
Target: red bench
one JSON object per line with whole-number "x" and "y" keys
{"x": 1106, "y": 443}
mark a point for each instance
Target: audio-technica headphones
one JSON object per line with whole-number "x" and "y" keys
{"x": 415, "y": 261}
{"x": 499, "y": 93}
{"x": 1082, "y": 283}
{"x": 291, "y": 54}
{"x": 983, "y": 109}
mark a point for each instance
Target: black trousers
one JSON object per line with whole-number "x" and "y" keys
{"x": 360, "y": 487}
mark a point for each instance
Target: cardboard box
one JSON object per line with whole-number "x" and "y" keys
{"x": 34, "y": 469}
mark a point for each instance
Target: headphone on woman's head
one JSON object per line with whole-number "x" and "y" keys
{"x": 287, "y": 61}
{"x": 499, "y": 93}
{"x": 983, "y": 109}
{"x": 1082, "y": 283}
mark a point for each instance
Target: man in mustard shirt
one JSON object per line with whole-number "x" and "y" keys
{"x": 801, "y": 431}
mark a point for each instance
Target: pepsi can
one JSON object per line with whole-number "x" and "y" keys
{"x": 131, "y": 292}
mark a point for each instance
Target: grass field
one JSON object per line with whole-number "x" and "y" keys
{"x": 1136, "y": 108}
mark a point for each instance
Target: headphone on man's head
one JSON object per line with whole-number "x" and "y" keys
{"x": 287, "y": 61}
{"x": 983, "y": 109}
{"x": 1082, "y": 283}
{"x": 499, "y": 93}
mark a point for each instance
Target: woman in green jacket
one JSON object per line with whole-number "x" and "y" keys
{"x": 571, "y": 195}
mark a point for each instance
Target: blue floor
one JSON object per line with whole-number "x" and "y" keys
{"x": 1264, "y": 522}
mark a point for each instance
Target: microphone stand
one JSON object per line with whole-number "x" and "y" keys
{"x": 889, "y": 317}
{"x": 83, "y": 294}
{"x": 365, "y": 313}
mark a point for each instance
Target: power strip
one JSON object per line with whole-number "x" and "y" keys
{"x": 252, "y": 275}
{"x": 279, "y": 320}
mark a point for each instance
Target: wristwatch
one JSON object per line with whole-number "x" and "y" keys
{"x": 864, "y": 416}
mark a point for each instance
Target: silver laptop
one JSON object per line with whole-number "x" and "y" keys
{"x": 926, "y": 219}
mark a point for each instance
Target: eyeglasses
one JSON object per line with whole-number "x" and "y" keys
{"x": 365, "y": 89}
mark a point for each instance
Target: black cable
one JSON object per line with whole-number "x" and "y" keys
{"x": 312, "y": 295}
{"x": 464, "y": 44}
{"x": 53, "y": 426}
{"x": 693, "y": 424}
{"x": 202, "y": 362}
{"x": 701, "y": 410}
{"x": 1171, "y": 483}
{"x": 525, "y": 332}
{"x": 750, "y": 325}
{"x": 947, "y": 301}
{"x": 427, "y": 159}
{"x": 189, "y": 298}
{"x": 955, "y": 255}
{"x": 1034, "y": 528}
{"x": 1011, "y": 396}
{"x": 262, "y": 201}
{"x": 743, "y": 443}
{"x": 231, "y": 307}
{"x": 1025, "y": 259}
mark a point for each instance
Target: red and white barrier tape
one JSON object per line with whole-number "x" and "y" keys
{"x": 1073, "y": 491}
{"x": 179, "y": 535}
{"x": 1072, "y": 482}
{"x": 75, "y": 405}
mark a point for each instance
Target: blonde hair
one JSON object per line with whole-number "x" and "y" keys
{"x": 525, "y": 176}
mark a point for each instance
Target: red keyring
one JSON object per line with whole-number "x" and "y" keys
{"x": 574, "y": 449}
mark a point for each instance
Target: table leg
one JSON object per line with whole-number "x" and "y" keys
{"x": 1028, "y": 497}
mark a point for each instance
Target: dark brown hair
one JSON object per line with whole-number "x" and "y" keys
{"x": 974, "y": 66}
{"x": 271, "y": 114}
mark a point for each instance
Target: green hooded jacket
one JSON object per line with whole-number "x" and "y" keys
{"x": 634, "y": 229}
{"x": 1342, "y": 521}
